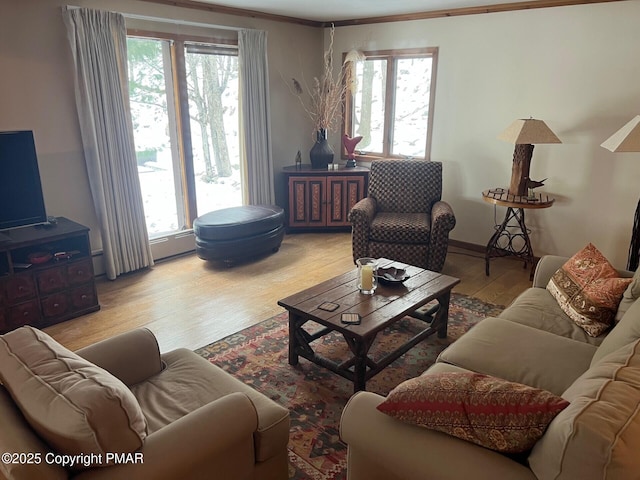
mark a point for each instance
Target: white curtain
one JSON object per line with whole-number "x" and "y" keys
{"x": 255, "y": 117}
{"x": 98, "y": 44}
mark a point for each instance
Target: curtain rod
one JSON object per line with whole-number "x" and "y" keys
{"x": 172, "y": 21}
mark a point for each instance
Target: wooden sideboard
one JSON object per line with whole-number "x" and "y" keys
{"x": 59, "y": 288}
{"x": 321, "y": 199}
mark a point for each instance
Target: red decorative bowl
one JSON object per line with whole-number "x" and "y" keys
{"x": 39, "y": 257}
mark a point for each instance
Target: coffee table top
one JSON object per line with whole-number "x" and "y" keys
{"x": 387, "y": 305}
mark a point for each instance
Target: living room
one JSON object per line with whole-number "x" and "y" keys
{"x": 568, "y": 65}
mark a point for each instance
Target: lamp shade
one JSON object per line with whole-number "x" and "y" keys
{"x": 627, "y": 139}
{"x": 528, "y": 131}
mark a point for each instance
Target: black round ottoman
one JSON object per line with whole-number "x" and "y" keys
{"x": 237, "y": 233}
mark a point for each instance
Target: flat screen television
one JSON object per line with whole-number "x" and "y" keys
{"x": 21, "y": 200}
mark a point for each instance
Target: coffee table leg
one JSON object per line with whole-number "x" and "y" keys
{"x": 360, "y": 349}
{"x": 294, "y": 324}
{"x": 442, "y": 316}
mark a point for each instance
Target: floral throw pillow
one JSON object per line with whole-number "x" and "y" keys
{"x": 504, "y": 416}
{"x": 588, "y": 289}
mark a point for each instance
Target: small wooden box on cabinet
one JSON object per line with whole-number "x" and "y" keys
{"x": 321, "y": 199}
{"x": 50, "y": 292}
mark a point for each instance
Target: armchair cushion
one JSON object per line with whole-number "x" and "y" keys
{"x": 400, "y": 227}
{"x": 75, "y": 406}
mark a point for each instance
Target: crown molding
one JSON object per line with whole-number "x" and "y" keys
{"x": 502, "y": 7}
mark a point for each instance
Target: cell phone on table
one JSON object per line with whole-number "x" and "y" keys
{"x": 350, "y": 318}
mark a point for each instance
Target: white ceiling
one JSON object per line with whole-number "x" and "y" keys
{"x": 327, "y": 10}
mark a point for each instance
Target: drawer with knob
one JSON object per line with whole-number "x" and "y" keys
{"x": 55, "y": 305}
{"x": 19, "y": 288}
{"x": 80, "y": 272}
{"x": 51, "y": 280}
{"x": 84, "y": 297}
{"x": 24, "y": 313}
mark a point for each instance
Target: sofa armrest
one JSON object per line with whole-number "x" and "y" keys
{"x": 383, "y": 447}
{"x": 545, "y": 269}
{"x": 361, "y": 215}
{"x": 548, "y": 265}
{"x": 132, "y": 356}
{"x": 216, "y": 439}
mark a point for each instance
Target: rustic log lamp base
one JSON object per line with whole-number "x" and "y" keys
{"x": 520, "y": 170}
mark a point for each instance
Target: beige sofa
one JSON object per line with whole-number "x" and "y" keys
{"x": 531, "y": 342}
{"x": 176, "y": 414}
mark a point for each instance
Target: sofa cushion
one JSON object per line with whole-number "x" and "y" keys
{"x": 535, "y": 307}
{"x": 75, "y": 406}
{"x": 588, "y": 290}
{"x": 504, "y": 416}
{"x": 544, "y": 360}
{"x": 626, "y": 331}
{"x": 630, "y": 295}
{"x": 598, "y": 435}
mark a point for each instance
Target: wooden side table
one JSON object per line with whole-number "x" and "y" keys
{"x": 512, "y": 239}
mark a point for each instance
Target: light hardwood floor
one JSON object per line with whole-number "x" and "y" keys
{"x": 187, "y": 302}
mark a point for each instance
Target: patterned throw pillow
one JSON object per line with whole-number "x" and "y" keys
{"x": 588, "y": 290}
{"x": 504, "y": 416}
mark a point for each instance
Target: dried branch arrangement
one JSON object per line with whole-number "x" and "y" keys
{"x": 324, "y": 99}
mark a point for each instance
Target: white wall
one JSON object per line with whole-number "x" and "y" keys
{"x": 578, "y": 69}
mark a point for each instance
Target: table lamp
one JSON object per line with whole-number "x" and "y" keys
{"x": 525, "y": 133}
{"x": 627, "y": 139}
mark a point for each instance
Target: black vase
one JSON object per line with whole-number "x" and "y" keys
{"x": 321, "y": 153}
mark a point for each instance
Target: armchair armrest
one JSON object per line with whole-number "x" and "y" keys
{"x": 132, "y": 356}
{"x": 378, "y": 443}
{"x": 361, "y": 215}
{"x": 442, "y": 218}
{"x": 216, "y": 438}
{"x": 442, "y": 222}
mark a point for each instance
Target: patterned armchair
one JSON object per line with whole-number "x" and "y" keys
{"x": 403, "y": 217}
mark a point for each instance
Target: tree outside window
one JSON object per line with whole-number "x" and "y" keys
{"x": 392, "y": 108}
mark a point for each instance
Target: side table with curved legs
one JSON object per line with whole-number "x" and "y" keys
{"x": 511, "y": 239}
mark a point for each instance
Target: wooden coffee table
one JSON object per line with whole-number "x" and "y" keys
{"x": 389, "y": 304}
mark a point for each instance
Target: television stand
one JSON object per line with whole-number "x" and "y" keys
{"x": 44, "y": 289}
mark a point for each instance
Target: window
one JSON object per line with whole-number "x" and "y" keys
{"x": 184, "y": 105}
{"x": 392, "y": 108}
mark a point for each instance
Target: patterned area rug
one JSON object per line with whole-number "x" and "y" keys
{"x": 315, "y": 396}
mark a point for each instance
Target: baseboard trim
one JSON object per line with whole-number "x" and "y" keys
{"x": 483, "y": 248}
{"x": 468, "y": 246}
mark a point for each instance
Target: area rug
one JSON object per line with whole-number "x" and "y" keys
{"x": 315, "y": 396}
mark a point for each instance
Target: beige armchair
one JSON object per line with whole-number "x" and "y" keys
{"x": 403, "y": 216}
{"x": 183, "y": 417}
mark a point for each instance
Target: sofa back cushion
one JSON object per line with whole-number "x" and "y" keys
{"x": 627, "y": 330}
{"x": 598, "y": 435}
{"x": 630, "y": 295}
{"x": 75, "y": 406}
